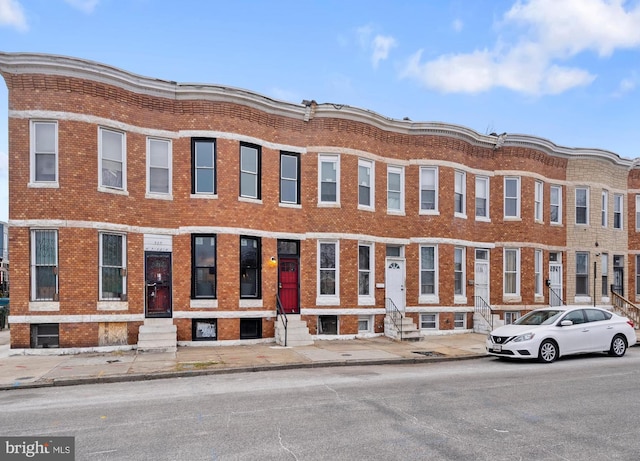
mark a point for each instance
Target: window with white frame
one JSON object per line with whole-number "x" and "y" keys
{"x": 459, "y": 271}
{"x": 459, "y": 321}
{"x": 203, "y": 161}
{"x": 158, "y": 166}
{"x": 538, "y": 197}
{"x": 537, "y": 262}
{"x": 582, "y": 205}
{"x": 329, "y": 179}
{"x": 582, "y": 274}
{"x": 289, "y": 174}
{"x": 428, "y": 189}
{"x": 428, "y": 321}
{"x": 637, "y": 212}
{"x": 482, "y": 197}
{"x": 365, "y": 268}
{"x": 395, "y": 189}
{"x": 617, "y": 211}
{"x": 428, "y": 270}
{"x": 460, "y": 193}
{"x": 510, "y": 317}
{"x": 512, "y": 271}
{"x": 512, "y": 197}
{"x": 249, "y": 171}
{"x": 605, "y": 208}
{"x": 112, "y": 152}
{"x": 113, "y": 271}
{"x": 44, "y": 152}
{"x": 604, "y": 264}
{"x": 365, "y": 324}
{"x": 44, "y": 265}
{"x": 637, "y": 275}
{"x": 328, "y": 269}
{"x": 555, "y": 212}
{"x": 365, "y": 184}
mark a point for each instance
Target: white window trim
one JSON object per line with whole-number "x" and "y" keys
{"x": 464, "y": 321}
{"x": 485, "y": 180}
{"x": 370, "y": 320}
{"x": 463, "y": 192}
{"x": 51, "y": 304}
{"x": 462, "y": 297}
{"x": 100, "y": 265}
{"x": 399, "y": 171}
{"x": 435, "y": 297}
{"x": 637, "y": 212}
{"x": 32, "y": 156}
{"x": 537, "y": 271}
{"x": 368, "y": 299}
{"x": 605, "y": 209}
{"x": 436, "y": 210}
{"x": 160, "y": 195}
{"x": 575, "y": 217}
{"x": 538, "y": 201}
{"x": 559, "y": 205}
{"x": 582, "y": 297}
{"x": 334, "y": 299}
{"x": 109, "y": 189}
{"x": 511, "y": 296}
{"x": 517, "y": 198}
{"x": 618, "y": 202}
{"x": 335, "y": 159}
{"x": 436, "y": 321}
{"x": 372, "y": 183}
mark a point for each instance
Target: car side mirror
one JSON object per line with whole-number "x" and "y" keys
{"x": 566, "y": 323}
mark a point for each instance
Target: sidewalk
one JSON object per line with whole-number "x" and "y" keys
{"x": 20, "y": 371}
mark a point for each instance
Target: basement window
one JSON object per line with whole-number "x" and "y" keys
{"x": 45, "y": 335}
{"x": 328, "y": 325}
{"x": 204, "y": 329}
{"x": 250, "y": 328}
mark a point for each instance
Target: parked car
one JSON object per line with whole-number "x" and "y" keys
{"x": 549, "y": 333}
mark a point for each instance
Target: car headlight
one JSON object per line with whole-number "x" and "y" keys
{"x": 524, "y": 337}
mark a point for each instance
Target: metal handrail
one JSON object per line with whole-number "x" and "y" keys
{"x": 626, "y": 307}
{"x": 280, "y": 313}
{"x": 556, "y": 296}
{"x": 484, "y": 309}
{"x": 394, "y": 314}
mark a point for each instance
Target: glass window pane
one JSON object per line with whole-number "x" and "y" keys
{"x": 159, "y": 153}
{"x": 45, "y": 137}
{"x": 248, "y": 159}
{"x": 328, "y": 173}
{"x": 111, "y": 173}
{"x": 204, "y": 181}
{"x": 45, "y": 167}
{"x": 112, "y": 250}
{"x": 204, "y": 154}
{"x": 327, "y": 255}
{"x": 111, "y": 145}
{"x": 289, "y": 191}
{"x": 329, "y": 192}
{"x": 205, "y": 249}
{"x": 364, "y": 175}
{"x": 327, "y": 282}
{"x": 363, "y": 257}
{"x": 289, "y": 167}
{"x": 248, "y": 185}
{"x": 45, "y": 248}
{"x": 427, "y": 259}
{"x": 159, "y": 180}
{"x": 394, "y": 182}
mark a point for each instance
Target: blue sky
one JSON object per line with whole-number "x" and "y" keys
{"x": 564, "y": 70}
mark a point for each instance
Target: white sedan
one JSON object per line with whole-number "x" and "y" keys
{"x": 549, "y": 333}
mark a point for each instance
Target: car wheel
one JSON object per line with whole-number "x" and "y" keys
{"x": 618, "y": 346}
{"x": 548, "y": 351}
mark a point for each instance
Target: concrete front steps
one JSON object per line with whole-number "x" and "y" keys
{"x": 406, "y": 329}
{"x": 297, "y": 332}
{"x": 158, "y": 335}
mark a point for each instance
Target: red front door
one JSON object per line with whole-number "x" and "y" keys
{"x": 158, "y": 284}
{"x": 288, "y": 285}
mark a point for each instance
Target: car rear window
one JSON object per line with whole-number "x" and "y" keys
{"x": 595, "y": 315}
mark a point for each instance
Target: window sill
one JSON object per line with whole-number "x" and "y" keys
{"x": 366, "y": 301}
{"x": 510, "y": 299}
{"x": 109, "y": 190}
{"x": 396, "y": 212}
{"x": 112, "y": 306}
{"x": 458, "y": 299}
{"x": 155, "y": 196}
{"x": 329, "y": 205}
{"x": 483, "y": 219}
{"x": 203, "y": 304}
{"x": 203, "y": 195}
{"x": 44, "y": 185}
{"x": 366, "y": 208}
{"x": 459, "y": 215}
{"x": 428, "y": 299}
{"x": 250, "y": 303}
{"x": 512, "y": 218}
{"x": 290, "y": 205}
{"x": 44, "y": 306}
{"x": 582, "y": 300}
{"x": 328, "y": 301}
{"x": 257, "y": 201}
{"x": 429, "y": 212}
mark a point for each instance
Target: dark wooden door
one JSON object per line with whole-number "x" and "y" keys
{"x": 288, "y": 285}
{"x": 158, "y": 284}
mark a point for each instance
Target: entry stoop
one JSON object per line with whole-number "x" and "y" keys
{"x": 405, "y": 331}
{"x": 158, "y": 335}
{"x": 297, "y": 332}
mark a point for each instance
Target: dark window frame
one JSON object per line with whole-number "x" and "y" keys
{"x": 297, "y": 179}
{"x": 213, "y": 141}
{"x": 258, "y": 170}
{"x": 194, "y": 329}
{"x": 257, "y": 267}
{"x": 194, "y": 267}
{"x": 245, "y": 323}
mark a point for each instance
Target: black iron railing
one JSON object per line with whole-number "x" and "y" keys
{"x": 394, "y": 314}
{"x": 484, "y": 309}
{"x": 281, "y": 315}
{"x": 555, "y": 299}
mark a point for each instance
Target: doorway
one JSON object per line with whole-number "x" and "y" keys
{"x": 555, "y": 280}
{"x": 288, "y": 285}
{"x": 157, "y": 271}
{"x": 481, "y": 276}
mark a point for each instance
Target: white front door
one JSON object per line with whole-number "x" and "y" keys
{"x": 481, "y": 277}
{"x": 394, "y": 282}
{"x": 555, "y": 278}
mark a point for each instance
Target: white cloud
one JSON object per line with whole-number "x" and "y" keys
{"x": 11, "y": 14}
{"x": 86, "y": 6}
{"x": 381, "y": 47}
{"x": 552, "y": 32}
{"x": 626, "y": 85}
{"x": 457, "y": 25}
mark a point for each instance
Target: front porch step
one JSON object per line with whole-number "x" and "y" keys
{"x": 158, "y": 335}
{"x": 297, "y": 332}
{"x": 406, "y": 329}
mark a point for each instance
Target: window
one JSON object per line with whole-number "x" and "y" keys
{"x": 113, "y": 271}
{"x": 510, "y": 317}
{"x": 394, "y": 251}
{"x": 537, "y": 262}
{"x": 250, "y": 270}
{"x": 555, "y": 215}
{"x": 45, "y": 335}
{"x": 203, "y": 164}
{"x": 365, "y": 188}
{"x": 329, "y": 179}
{"x": 605, "y": 207}
{"x": 617, "y": 211}
{"x": 203, "y": 270}
{"x": 458, "y": 271}
{"x": 428, "y": 266}
{"x": 582, "y": 205}
{"x": 604, "y": 264}
{"x": 511, "y": 271}
{"x": 395, "y": 189}
{"x": 482, "y": 197}
{"x": 289, "y": 174}
{"x": 428, "y": 189}
{"x": 328, "y": 268}
{"x": 204, "y": 329}
{"x": 459, "y": 320}
{"x": 113, "y": 172}
{"x": 328, "y": 325}
{"x": 365, "y": 323}
{"x": 44, "y": 152}
{"x": 537, "y": 210}
{"x": 250, "y": 328}
{"x": 429, "y": 321}
{"x": 44, "y": 265}
{"x": 637, "y": 275}
{"x": 512, "y": 197}
{"x": 249, "y": 171}
{"x": 582, "y": 274}
{"x": 158, "y": 166}
{"x": 637, "y": 212}
{"x": 460, "y": 192}
{"x": 364, "y": 270}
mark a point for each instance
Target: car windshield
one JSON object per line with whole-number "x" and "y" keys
{"x": 543, "y": 317}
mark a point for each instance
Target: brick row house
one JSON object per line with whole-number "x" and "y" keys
{"x": 141, "y": 205}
